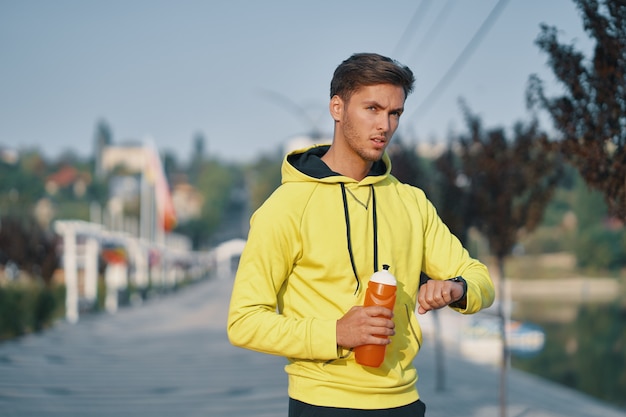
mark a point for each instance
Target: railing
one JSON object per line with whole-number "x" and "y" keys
{"x": 129, "y": 262}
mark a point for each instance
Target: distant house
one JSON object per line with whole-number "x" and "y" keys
{"x": 187, "y": 202}
{"x": 67, "y": 177}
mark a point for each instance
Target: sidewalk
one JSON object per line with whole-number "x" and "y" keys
{"x": 171, "y": 357}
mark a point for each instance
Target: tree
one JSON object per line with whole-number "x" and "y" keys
{"x": 591, "y": 114}
{"x": 197, "y": 157}
{"x": 28, "y": 246}
{"x": 170, "y": 165}
{"x": 510, "y": 183}
{"x": 406, "y": 165}
{"x": 261, "y": 178}
{"x": 216, "y": 183}
{"x": 103, "y": 137}
{"x": 453, "y": 205}
{"x": 22, "y": 183}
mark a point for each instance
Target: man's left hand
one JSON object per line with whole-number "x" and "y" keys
{"x": 435, "y": 294}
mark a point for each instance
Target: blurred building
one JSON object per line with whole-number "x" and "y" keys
{"x": 131, "y": 158}
{"x": 188, "y": 202}
{"x": 68, "y": 177}
{"x": 132, "y": 169}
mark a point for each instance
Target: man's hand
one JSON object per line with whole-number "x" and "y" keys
{"x": 360, "y": 325}
{"x": 435, "y": 294}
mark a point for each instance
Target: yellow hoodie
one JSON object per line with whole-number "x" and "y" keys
{"x": 310, "y": 252}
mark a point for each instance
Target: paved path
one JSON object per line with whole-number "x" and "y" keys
{"x": 171, "y": 357}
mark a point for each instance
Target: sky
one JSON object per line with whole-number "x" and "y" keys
{"x": 252, "y": 75}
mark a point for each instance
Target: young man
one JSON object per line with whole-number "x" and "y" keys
{"x": 336, "y": 219}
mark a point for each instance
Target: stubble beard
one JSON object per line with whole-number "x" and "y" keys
{"x": 358, "y": 144}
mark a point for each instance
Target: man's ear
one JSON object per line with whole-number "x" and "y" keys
{"x": 336, "y": 108}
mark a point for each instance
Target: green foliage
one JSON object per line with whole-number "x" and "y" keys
{"x": 557, "y": 208}
{"x": 563, "y": 200}
{"x": 196, "y": 158}
{"x": 72, "y": 209}
{"x": 216, "y": 182}
{"x": 103, "y": 134}
{"x": 589, "y": 206}
{"x": 599, "y": 245}
{"x": 98, "y": 192}
{"x": 197, "y": 230}
{"x": 21, "y": 185}
{"x": 27, "y": 306}
{"x": 47, "y": 307}
{"x": 262, "y": 178}
{"x": 549, "y": 239}
{"x": 601, "y": 248}
{"x": 576, "y": 220}
{"x": 557, "y": 231}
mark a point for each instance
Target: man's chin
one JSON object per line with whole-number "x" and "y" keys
{"x": 376, "y": 155}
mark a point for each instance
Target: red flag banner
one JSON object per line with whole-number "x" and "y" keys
{"x": 164, "y": 203}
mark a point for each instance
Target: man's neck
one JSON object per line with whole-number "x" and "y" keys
{"x": 346, "y": 164}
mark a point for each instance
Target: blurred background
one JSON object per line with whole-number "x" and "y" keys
{"x": 136, "y": 139}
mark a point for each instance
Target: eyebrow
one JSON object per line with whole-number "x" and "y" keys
{"x": 378, "y": 105}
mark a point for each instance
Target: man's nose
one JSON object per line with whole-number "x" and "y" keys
{"x": 384, "y": 123}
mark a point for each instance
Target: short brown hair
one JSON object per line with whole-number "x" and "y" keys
{"x": 363, "y": 69}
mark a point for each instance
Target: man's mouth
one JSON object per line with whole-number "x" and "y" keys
{"x": 379, "y": 140}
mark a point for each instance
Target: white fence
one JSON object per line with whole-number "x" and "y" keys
{"x": 130, "y": 263}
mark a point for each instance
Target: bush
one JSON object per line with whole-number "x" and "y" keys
{"x": 27, "y": 307}
{"x": 547, "y": 240}
{"x": 600, "y": 248}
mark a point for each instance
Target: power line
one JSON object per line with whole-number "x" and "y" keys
{"x": 294, "y": 108}
{"x": 460, "y": 60}
{"x": 432, "y": 30}
{"x": 419, "y": 13}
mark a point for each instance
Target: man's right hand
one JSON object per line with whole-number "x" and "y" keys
{"x": 360, "y": 325}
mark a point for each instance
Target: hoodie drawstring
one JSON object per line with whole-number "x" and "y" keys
{"x": 349, "y": 239}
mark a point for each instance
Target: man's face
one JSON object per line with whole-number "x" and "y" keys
{"x": 368, "y": 120}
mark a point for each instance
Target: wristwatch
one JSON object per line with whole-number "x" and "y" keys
{"x": 461, "y": 302}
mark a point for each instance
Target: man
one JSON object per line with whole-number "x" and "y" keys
{"x": 336, "y": 219}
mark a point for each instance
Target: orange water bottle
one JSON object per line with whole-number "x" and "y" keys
{"x": 381, "y": 291}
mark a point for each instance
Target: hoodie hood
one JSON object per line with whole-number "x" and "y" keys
{"x": 306, "y": 165}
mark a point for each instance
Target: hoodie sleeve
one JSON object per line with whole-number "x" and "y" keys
{"x": 254, "y": 320}
{"x": 445, "y": 257}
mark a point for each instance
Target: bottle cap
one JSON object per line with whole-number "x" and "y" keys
{"x": 383, "y": 277}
